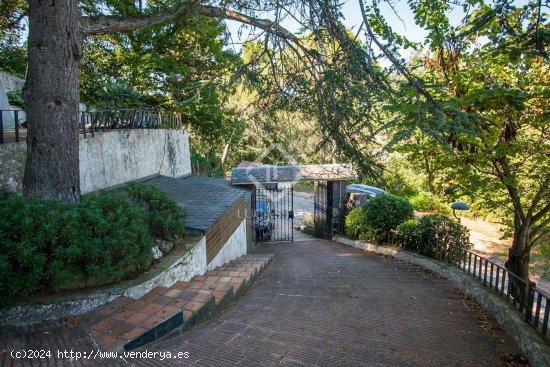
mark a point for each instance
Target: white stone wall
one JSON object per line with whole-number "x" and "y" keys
{"x": 233, "y": 248}
{"x": 10, "y": 82}
{"x": 190, "y": 265}
{"x": 111, "y": 158}
{"x": 115, "y": 157}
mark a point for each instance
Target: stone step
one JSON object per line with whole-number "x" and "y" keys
{"x": 129, "y": 324}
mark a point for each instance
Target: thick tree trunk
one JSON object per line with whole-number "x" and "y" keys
{"x": 52, "y": 95}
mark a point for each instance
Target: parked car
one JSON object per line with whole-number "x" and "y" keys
{"x": 358, "y": 195}
{"x": 263, "y": 218}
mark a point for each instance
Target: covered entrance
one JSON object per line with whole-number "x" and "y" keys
{"x": 273, "y": 198}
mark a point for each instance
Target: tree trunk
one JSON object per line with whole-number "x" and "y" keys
{"x": 519, "y": 252}
{"x": 225, "y": 151}
{"x": 52, "y": 95}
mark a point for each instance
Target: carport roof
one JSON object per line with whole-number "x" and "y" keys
{"x": 205, "y": 199}
{"x": 314, "y": 172}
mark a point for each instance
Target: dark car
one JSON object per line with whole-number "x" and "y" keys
{"x": 263, "y": 218}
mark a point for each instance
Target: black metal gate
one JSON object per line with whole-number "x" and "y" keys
{"x": 321, "y": 212}
{"x": 273, "y": 214}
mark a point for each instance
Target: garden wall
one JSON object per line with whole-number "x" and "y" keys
{"x": 111, "y": 158}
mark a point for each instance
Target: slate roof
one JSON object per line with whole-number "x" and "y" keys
{"x": 204, "y": 198}
{"x": 315, "y": 172}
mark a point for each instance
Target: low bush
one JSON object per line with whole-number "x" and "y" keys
{"x": 428, "y": 202}
{"x": 45, "y": 244}
{"x": 384, "y": 213}
{"x": 166, "y": 220}
{"x": 433, "y": 233}
{"x": 355, "y": 224}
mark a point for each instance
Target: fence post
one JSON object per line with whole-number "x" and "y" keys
{"x": 530, "y": 299}
{"x": 1, "y": 127}
{"x": 16, "y": 125}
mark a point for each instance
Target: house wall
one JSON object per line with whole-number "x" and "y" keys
{"x": 234, "y": 247}
{"x": 111, "y": 158}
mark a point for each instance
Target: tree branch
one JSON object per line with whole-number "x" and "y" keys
{"x": 98, "y": 25}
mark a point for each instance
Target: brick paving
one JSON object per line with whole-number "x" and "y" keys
{"x": 127, "y": 324}
{"x": 317, "y": 304}
{"x": 321, "y": 304}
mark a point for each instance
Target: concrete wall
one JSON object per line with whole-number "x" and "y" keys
{"x": 12, "y": 166}
{"x": 11, "y": 83}
{"x": 236, "y": 246}
{"x": 111, "y": 158}
{"x": 190, "y": 265}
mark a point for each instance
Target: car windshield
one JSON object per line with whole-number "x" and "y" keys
{"x": 262, "y": 207}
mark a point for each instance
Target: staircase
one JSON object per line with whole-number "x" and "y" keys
{"x": 127, "y": 324}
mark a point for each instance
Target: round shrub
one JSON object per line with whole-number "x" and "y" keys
{"x": 355, "y": 224}
{"x": 166, "y": 220}
{"x": 384, "y": 213}
{"x": 428, "y": 202}
{"x": 434, "y": 234}
{"x": 107, "y": 238}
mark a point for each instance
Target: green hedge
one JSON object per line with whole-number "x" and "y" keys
{"x": 48, "y": 246}
{"x": 433, "y": 232}
{"x": 378, "y": 217}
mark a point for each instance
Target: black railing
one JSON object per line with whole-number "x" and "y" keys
{"x": 13, "y": 123}
{"x": 94, "y": 121}
{"x": 532, "y": 302}
{"x": 12, "y": 126}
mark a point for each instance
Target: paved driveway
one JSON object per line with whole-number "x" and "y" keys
{"x": 321, "y": 304}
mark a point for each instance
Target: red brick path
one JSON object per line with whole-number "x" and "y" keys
{"x": 322, "y": 304}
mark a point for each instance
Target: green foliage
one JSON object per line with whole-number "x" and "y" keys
{"x": 16, "y": 99}
{"x": 117, "y": 96}
{"x": 433, "y": 234}
{"x": 355, "y": 224}
{"x": 181, "y": 66}
{"x": 29, "y": 236}
{"x": 378, "y": 217}
{"x": 409, "y": 234}
{"x": 164, "y": 217}
{"x": 105, "y": 235}
{"x": 206, "y": 165}
{"x": 384, "y": 213}
{"x": 428, "y": 202}
{"x": 45, "y": 244}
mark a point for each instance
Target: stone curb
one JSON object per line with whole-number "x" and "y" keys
{"x": 532, "y": 345}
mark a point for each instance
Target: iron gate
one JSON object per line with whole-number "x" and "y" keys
{"x": 273, "y": 214}
{"x": 320, "y": 210}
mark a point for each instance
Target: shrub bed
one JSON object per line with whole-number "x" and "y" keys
{"x": 433, "y": 233}
{"x": 378, "y": 217}
{"x": 46, "y": 245}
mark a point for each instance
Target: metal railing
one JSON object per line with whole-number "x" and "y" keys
{"x": 12, "y": 126}
{"x": 532, "y": 302}
{"x": 94, "y": 121}
{"x": 13, "y": 122}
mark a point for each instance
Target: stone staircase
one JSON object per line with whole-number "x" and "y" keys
{"x": 127, "y": 323}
